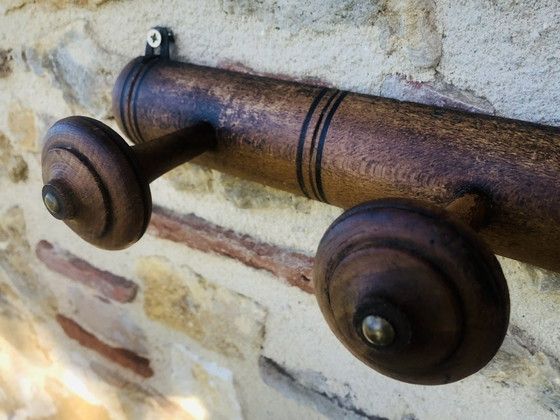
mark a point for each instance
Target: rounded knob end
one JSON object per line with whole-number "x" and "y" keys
{"x": 411, "y": 291}
{"x": 58, "y": 201}
{"x": 94, "y": 184}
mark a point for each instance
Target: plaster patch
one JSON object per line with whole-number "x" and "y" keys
{"x": 22, "y": 123}
{"x": 20, "y": 333}
{"x": 209, "y": 383}
{"x": 407, "y": 27}
{"x": 241, "y": 193}
{"x": 507, "y": 52}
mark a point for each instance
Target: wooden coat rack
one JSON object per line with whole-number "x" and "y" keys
{"x": 406, "y": 278}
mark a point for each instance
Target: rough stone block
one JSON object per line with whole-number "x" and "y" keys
{"x": 18, "y": 329}
{"x": 294, "y": 15}
{"x": 5, "y": 63}
{"x": 414, "y": 27}
{"x": 191, "y": 178}
{"x": 521, "y": 364}
{"x": 205, "y": 236}
{"x": 219, "y": 319}
{"x": 29, "y": 393}
{"x": 69, "y": 406}
{"x": 406, "y": 29}
{"x": 507, "y": 52}
{"x": 12, "y": 163}
{"x": 250, "y": 195}
{"x": 408, "y": 26}
{"x": 10, "y": 5}
{"x": 547, "y": 281}
{"x": 107, "y": 284}
{"x": 22, "y": 395}
{"x": 78, "y": 65}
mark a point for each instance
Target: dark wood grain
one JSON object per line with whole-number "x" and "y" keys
{"x": 346, "y": 148}
{"x": 427, "y": 274}
{"x": 101, "y": 185}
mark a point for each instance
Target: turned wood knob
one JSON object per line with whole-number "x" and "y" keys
{"x": 411, "y": 291}
{"x": 99, "y": 186}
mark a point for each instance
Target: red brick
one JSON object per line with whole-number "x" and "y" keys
{"x": 107, "y": 284}
{"x": 205, "y": 236}
{"x": 123, "y": 357}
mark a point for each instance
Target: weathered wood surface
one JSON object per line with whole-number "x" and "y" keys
{"x": 98, "y": 185}
{"x": 345, "y": 148}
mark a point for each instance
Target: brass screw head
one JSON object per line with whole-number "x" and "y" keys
{"x": 52, "y": 203}
{"x": 377, "y": 330}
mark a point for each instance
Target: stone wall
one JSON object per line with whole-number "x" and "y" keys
{"x": 211, "y": 315}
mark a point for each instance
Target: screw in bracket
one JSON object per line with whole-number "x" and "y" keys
{"x": 159, "y": 37}
{"x": 154, "y": 38}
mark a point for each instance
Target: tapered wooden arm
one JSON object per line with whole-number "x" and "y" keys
{"x": 99, "y": 185}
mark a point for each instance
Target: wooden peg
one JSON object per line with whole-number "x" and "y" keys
{"x": 99, "y": 185}
{"x": 411, "y": 290}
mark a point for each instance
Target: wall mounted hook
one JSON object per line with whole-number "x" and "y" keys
{"x": 406, "y": 278}
{"x": 159, "y": 39}
{"x": 411, "y": 290}
{"x": 99, "y": 185}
